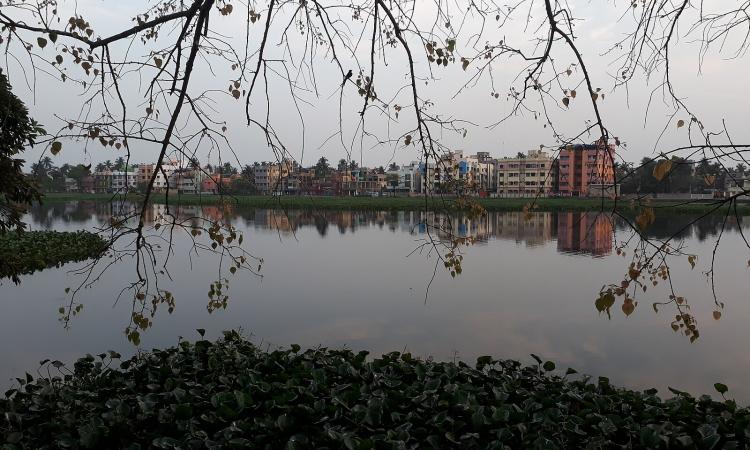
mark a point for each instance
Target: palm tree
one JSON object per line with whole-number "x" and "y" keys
{"x": 120, "y": 163}
{"x": 108, "y": 165}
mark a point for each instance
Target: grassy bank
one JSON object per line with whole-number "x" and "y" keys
{"x": 230, "y": 394}
{"x": 404, "y": 203}
{"x": 37, "y": 250}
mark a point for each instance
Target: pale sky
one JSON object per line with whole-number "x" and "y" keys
{"x": 718, "y": 93}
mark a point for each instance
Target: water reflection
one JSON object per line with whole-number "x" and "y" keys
{"x": 346, "y": 278}
{"x": 586, "y": 233}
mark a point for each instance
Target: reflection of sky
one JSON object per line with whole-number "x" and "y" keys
{"x": 362, "y": 291}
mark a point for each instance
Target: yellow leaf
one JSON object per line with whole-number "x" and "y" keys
{"x": 645, "y": 218}
{"x": 573, "y": 93}
{"x": 662, "y": 169}
{"x": 717, "y": 315}
{"x": 680, "y": 123}
{"x": 709, "y": 179}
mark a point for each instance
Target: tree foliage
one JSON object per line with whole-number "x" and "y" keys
{"x": 17, "y": 130}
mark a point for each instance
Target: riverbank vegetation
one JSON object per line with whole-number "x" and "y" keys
{"x": 231, "y": 394}
{"x": 28, "y": 252}
{"x": 413, "y": 203}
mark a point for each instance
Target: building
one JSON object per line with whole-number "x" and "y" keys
{"x": 103, "y": 182}
{"x": 586, "y": 170}
{"x": 186, "y": 181}
{"x": 144, "y": 172}
{"x": 123, "y": 181}
{"x": 273, "y": 177}
{"x": 529, "y": 176}
{"x": 403, "y": 180}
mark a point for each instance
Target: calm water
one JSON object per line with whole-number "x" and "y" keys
{"x": 352, "y": 279}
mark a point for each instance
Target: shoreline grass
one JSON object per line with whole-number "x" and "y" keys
{"x": 406, "y": 203}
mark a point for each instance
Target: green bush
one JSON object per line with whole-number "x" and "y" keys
{"x": 230, "y": 394}
{"x": 27, "y": 252}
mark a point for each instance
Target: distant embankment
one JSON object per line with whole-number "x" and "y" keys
{"x": 410, "y": 203}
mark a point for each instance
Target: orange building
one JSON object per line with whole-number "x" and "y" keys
{"x": 585, "y": 169}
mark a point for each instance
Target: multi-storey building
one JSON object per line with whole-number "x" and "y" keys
{"x": 528, "y": 176}
{"x": 273, "y": 177}
{"x": 186, "y": 181}
{"x": 586, "y": 170}
{"x": 403, "y": 180}
{"x": 123, "y": 181}
{"x": 144, "y": 172}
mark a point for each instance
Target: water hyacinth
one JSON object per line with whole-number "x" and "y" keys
{"x": 231, "y": 394}
{"x": 28, "y": 252}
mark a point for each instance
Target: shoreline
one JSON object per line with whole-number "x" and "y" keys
{"x": 407, "y": 203}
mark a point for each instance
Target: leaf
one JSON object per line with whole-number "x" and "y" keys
{"x": 709, "y": 179}
{"x": 59, "y": 59}
{"x": 407, "y": 139}
{"x": 645, "y": 218}
{"x": 721, "y": 388}
{"x": 662, "y": 168}
{"x": 236, "y": 93}
{"x": 573, "y": 93}
{"x": 628, "y": 306}
{"x": 566, "y": 101}
{"x": 680, "y": 123}
{"x": 717, "y": 315}
{"x": 53, "y": 36}
{"x": 158, "y": 62}
{"x": 201, "y": 331}
{"x": 41, "y": 42}
{"x": 56, "y": 147}
{"x": 549, "y": 366}
{"x": 464, "y": 63}
{"x": 691, "y": 261}
{"x": 594, "y": 96}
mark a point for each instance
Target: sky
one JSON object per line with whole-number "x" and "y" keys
{"x": 716, "y": 90}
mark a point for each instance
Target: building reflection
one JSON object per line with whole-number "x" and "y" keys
{"x": 588, "y": 233}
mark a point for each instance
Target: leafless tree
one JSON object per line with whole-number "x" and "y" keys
{"x": 138, "y": 88}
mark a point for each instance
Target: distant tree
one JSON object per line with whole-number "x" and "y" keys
{"x": 380, "y": 170}
{"x": 392, "y": 167}
{"x": 227, "y": 169}
{"x": 322, "y": 169}
{"x": 208, "y": 168}
{"x": 353, "y": 165}
{"x": 342, "y": 166}
{"x": 741, "y": 168}
{"x": 100, "y": 167}
{"x": 242, "y": 186}
{"x": 108, "y": 165}
{"x": 521, "y": 155}
{"x": 119, "y": 164}
{"x": 78, "y": 173}
{"x": 17, "y": 129}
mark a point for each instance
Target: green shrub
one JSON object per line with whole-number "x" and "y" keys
{"x": 230, "y": 394}
{"x": 27, "y": 252}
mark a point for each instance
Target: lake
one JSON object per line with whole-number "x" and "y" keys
{"x": 354, "y": 279}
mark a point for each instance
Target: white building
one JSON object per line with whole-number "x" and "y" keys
{"x": 123, "y": 180}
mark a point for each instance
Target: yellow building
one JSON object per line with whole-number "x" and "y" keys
{"x": 526, "y": 176}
